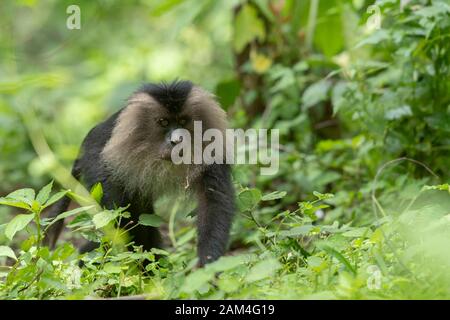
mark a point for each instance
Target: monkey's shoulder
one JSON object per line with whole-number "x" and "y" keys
{"x": 99, "y": 135}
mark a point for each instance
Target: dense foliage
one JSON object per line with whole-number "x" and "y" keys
{"x": 359, "y": 208}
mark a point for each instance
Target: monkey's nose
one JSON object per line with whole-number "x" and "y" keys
{"x": 176, "y": 140}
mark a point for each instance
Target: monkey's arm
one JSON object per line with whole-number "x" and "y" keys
{"x": 216, "y": 206}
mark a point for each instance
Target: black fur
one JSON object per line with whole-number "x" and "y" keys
{"x": 215, "y": 212}
{"x": 214, "y": 190}
{"x": 92, "y": 170}
{"x": 171, "y": 95}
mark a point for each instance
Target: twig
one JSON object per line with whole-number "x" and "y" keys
{"x": 36, "y": 277}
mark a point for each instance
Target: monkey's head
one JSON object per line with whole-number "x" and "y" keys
{"x": 142, "y": 138}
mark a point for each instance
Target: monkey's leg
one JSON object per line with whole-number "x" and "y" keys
{"x": 59, "y": 207}
{"x": 215, "y": 212}
{"x": 148, "y": 237}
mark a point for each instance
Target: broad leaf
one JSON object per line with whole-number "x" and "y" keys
{"x": 15, "y": 203}
{"x": 316, "y": 93}
{"x": 274, "y": 195}
{"x": 247, "y": 28}
{"x": 17, "y": 223}
{"x": 356, "y": 233}
{"x": 68, "y": 214}
{"x": 262, "y": 270}
{"x": 248, "y": 199}
{"x": 57, "y": 196}
{"x": 296, "y": 231}
{"x": 151, "y": 220}
{"x": 227, "y": 263}
{"x": 227, "y": 91}
{"x": 322, "y": 196}
{"x": 196, "y": 280}
{"x": 398, "y": 113}
{"x": 7, "y": 252}
{"x": 97, "y": 192}
{"x": 44, "y": 193}
{"x": 24, "y": 195}
{"x": 329, "y": 36}
{"x": 103, "y": 218}
{"x": 339, "y": 257}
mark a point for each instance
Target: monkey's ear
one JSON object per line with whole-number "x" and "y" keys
{"x": 207, "y": 107}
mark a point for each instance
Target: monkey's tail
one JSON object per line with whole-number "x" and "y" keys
{"x": 59, "y": 207}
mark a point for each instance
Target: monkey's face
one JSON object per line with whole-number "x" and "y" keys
{"x": 144, "y": 130}
{"x": 165, "y": 125}
{"x": 158, "y": 113}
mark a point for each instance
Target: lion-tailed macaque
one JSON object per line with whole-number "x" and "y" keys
{"x": 130, "y": 155}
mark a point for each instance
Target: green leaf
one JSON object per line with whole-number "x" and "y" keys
{"x": 63, "y": 252}
{"x": 186, "y": 237}
{"x": 439, "y": 121}
{"x": 317, "y": 264}
{"x": 262, "y": 270}
{"x": 7, "y": 252}
{"x": 329, "y": 36}
{"x": 248, "y": 199}
{"x": 375, "y": 38}
{"x": 14, "y": 203}
{"x": 274, "y": 195}
{"x": 81, "y": 221}
{"x": 97, "y": 192}
{"x": 103, "y": 218}
{"x": 151, "y": 220}
{"x": 196, "y": 280}
{"x": 24, "y": 195}
{"x": 442, "y": 187}
{"x": 165, "y": 6}
{"x": 339, "y": 257}
{"x": 27, "y": 244}
{"x": 229, "y": 284}
{"x": 227, "y": 91}
{"x": 160, "y": 252}
{"x": 111, "y": 268}
{"x": 264, "y": 8}
{"x": 323, "y": 196}
{"x": 297, "y": 231}
{"x": 68, "y": 214}
{"x": 316, "y": 93}
{"x": 17, "y": 223}
{"x": 356, "y": 233}
{"x": 398, "y": 113}
{"x": 44, "y": 194}
{"x": 57, "y": 196}
{"x": 338, "y": 98}
{"x": 227, "y": 263}
{"x": 247, "y": 27}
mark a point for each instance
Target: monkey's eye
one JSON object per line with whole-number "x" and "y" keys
{"x": 163, "y": 122}
{"x": 182, "y": 121}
